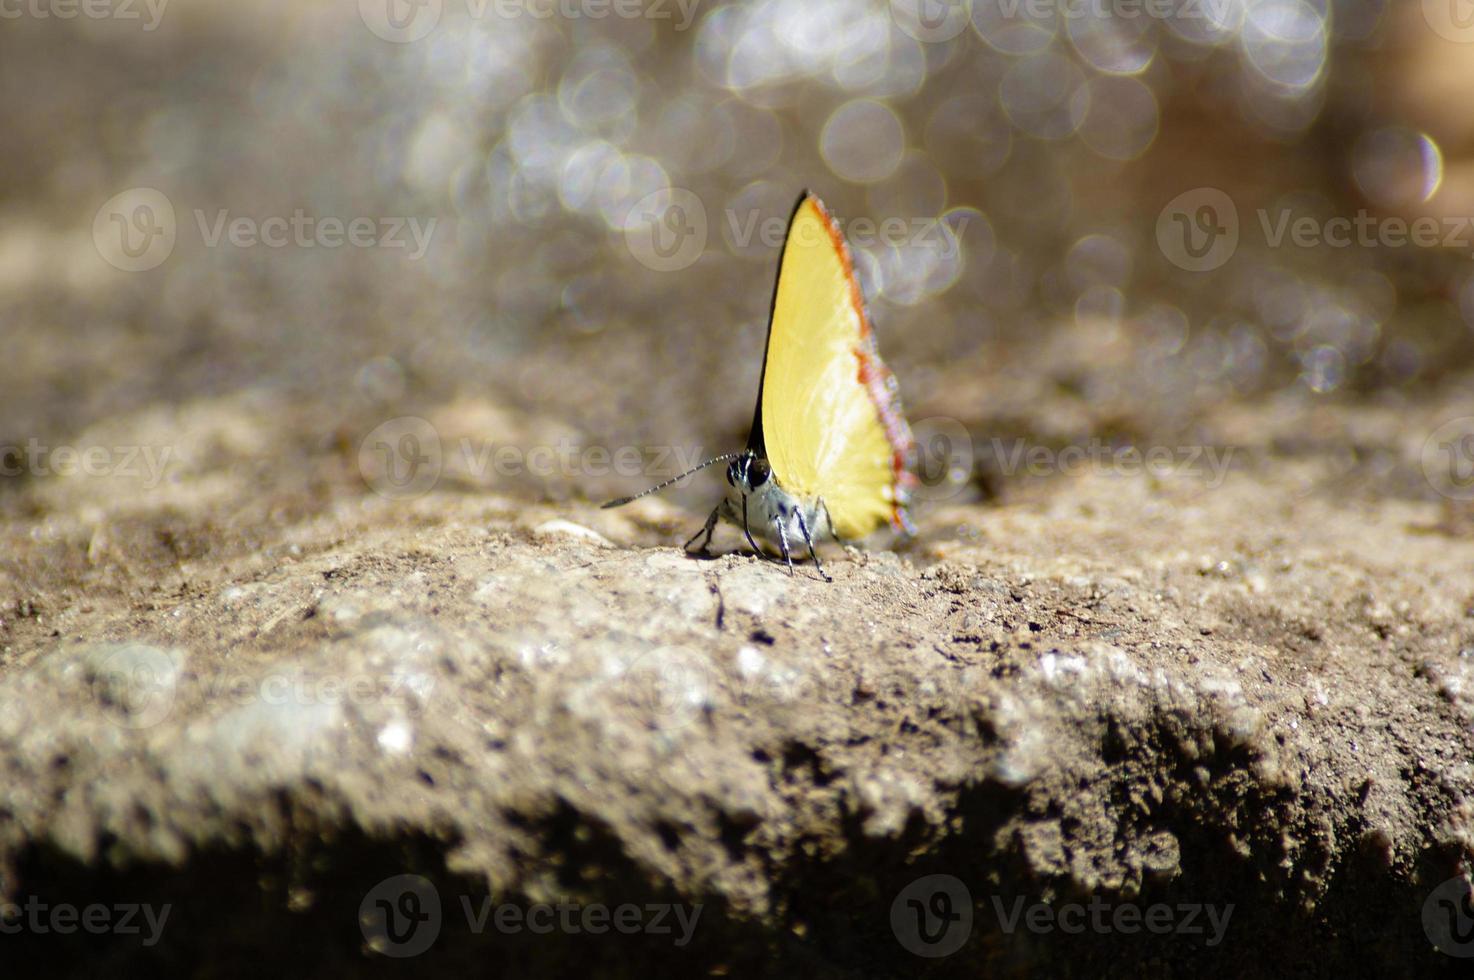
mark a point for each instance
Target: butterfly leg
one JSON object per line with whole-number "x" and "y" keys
{"x": 748, "y": 531}
{"x": 783, "y": 543}
{"x": 711, "y": 523}
{"x": 803, "y": 526}
{"x": 829, "y": 522}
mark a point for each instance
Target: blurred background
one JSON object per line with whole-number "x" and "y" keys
{"x": 1064, "y": 211}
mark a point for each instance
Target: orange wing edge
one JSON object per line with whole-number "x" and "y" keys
{"x": 880, "y": 383}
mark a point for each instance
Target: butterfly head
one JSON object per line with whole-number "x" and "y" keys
{"x": 748, "y": 472}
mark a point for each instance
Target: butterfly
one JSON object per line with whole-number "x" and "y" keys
{"x": 829, "y": 451}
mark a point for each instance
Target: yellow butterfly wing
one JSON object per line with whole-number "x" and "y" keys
{"x": 829, "y": 418}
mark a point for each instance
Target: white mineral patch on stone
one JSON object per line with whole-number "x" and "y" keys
{"x": 563, "y": 527}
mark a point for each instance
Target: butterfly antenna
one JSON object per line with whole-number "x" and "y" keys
{"x": 675, "y": 479}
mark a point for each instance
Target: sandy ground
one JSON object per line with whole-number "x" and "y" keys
{"x": 260, "y": 688}
{"x": 301, "y": 675}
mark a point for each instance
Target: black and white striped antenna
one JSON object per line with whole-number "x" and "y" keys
{"x": 675, "y": 479}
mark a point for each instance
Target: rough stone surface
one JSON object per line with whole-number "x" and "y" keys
{"x": 259, "y": 689}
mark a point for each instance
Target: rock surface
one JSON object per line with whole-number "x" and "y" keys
{"x": 260, "y": 690}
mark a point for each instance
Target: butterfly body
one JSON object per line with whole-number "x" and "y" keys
{"x": 757, "y": 503}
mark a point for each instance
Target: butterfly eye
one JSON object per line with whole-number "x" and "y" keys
{"x": 758, "y": 472}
